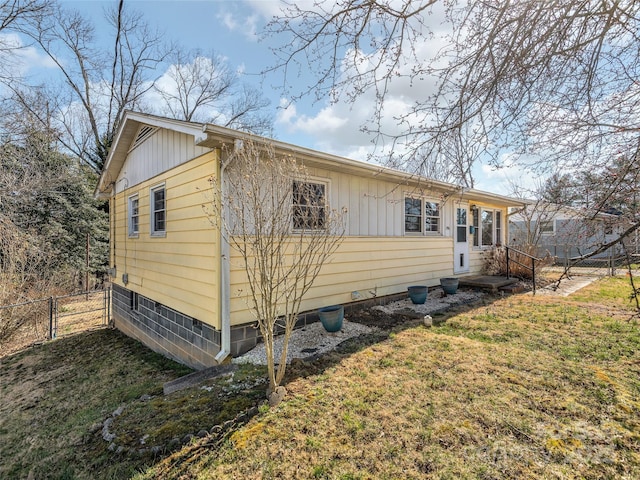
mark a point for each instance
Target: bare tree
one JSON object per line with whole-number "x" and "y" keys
{"x": 284, "y": 230}
{"x": 452, "y": 164}
{"x": 552, "y": 85}
{"x": 14, "y": 13}
{"x": 194, "y": 81}
{"x": 17, "y": 11}
{"x": 202, "y": 87}
{"x": 556, "y": 80}
{"x": 97, "y": 85}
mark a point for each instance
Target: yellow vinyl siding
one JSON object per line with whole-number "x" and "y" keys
{"x": 181, "y": 269}
{"x": 383, "y": 265}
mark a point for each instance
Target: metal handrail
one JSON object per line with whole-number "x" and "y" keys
{"x": 532, "y": 268}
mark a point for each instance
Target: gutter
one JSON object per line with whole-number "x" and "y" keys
{"x": 215, "y": 136}
{"x": 225, "y": 280}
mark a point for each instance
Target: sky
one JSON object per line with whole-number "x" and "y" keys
{"x": 233, "y": 29}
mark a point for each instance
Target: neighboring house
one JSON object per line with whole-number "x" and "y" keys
{"x": 564, "y": 232}
{"x": 175, "y": 291}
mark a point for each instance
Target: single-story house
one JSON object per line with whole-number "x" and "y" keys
{"x": 564, "y": 232}
{"x": 176, "y": 290}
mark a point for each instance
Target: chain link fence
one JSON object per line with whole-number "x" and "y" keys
{"x": 35, "y": 321}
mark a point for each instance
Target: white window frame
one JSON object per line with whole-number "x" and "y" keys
{"x": 133, "y": 227}
{"x": 543, "y": 227}
{"x": 134, "y": 303}
{"x": 496, "y": 231}
{"x": 325, "y": 208}
{"x": 154, "y": 230}
{"x": 422, "y": 216}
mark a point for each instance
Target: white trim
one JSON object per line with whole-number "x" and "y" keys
{"x": 327, "y": 192}
{"x": 494, "y": 231}
{"x": 131, "y": 233}
{"x": 547, "y": 232}
{"x": 423, "y": 222}
{"x": 461, "y": 250}
{"x": 144, "y": 132}
{"x": 152, "y": 226}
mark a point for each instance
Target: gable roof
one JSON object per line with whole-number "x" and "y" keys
{"x": 126, "y": 138}
{"x": 215, "y": 136}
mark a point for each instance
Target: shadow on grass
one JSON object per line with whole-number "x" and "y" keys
{"x": 67, "y": 389}
{"x": 384, "y": 324}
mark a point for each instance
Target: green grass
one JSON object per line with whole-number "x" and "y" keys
{"x": 524, "y": 387}
{"x": 52, "y": 395}
{"x": 609, "y": 292}
{"x": 520, "y": 387}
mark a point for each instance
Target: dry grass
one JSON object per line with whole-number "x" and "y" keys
{"x": 77, "y": 313}
{"x": 524, "y": 387}
{"x": 56, "y": 396}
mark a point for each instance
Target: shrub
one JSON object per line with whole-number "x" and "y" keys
{"x": 495, "y": 261}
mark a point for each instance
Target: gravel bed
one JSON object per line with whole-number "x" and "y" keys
{"x": 313, "y": 340}
{"x": 308, "y": 341}
{"x": 436, "y": 302}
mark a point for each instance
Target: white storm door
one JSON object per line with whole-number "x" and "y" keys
{"x": 461, "y": 241}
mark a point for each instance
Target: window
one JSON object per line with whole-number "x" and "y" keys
{"x": 412, "y": 215}
{"x": 461, "y": 225}
{"x": 546, "y": 227}
{"x": 309, "y": 205}
{"x": 498, "y": 237}
{"x": 158, "y": 211}
{"x": 134, "y": 301}
{"x": 431, "y": 217}
{"x": 134, "y": 216}
{"x": 476, "y": 227}
{"x": 487, "y": 227}
{"x": 421, "y": 216}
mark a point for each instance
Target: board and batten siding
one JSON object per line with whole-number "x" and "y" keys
{"x": 375, "y": 206}
{"x": 376, "y": 258}
{"x": 180, "y": 269}
{"x": 162, "y": 151}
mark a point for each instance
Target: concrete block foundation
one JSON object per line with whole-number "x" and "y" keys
{"x": 190, "y": 341}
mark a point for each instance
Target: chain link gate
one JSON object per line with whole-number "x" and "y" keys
{"x": 80, "y": 311}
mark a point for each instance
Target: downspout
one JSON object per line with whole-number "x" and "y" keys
{"x": 225, "y": 277}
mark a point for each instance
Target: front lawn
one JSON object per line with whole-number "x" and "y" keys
{"x": 522, "y": 387}
{"x": 516, "y": 387}
{"x": 55, "y": 398}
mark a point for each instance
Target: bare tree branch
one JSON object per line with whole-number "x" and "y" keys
{"x": 283, "y": 228}
{"x": 98, "y": 85}
{"x": 202, "y": 87}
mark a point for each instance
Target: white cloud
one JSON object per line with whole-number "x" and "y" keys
{"x": 248, "y": 17}
{"x": 513, "y": 177}
{"x": 337, "y": 127}
{"x": 18, "y": 59}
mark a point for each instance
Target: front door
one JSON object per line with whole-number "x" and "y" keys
{"x": 461, "y": 242}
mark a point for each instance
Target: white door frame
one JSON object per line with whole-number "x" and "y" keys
{"x": 461, "y": 239}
